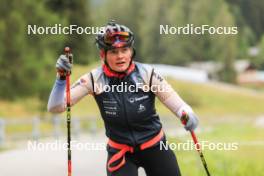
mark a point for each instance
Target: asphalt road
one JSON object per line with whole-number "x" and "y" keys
{"x": 88, "y": 158}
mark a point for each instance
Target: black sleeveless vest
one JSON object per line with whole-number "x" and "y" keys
{"x": 129, "y": 115}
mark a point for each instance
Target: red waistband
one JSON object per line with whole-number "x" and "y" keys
{"x": 126, "y": 148}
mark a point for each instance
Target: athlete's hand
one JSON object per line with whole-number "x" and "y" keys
{"x": 188, "y": 118}
{"x": 64, "y": 65}
{"x": 191, "y": 122}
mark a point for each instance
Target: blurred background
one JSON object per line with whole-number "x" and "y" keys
{"x": 220, "y": 76}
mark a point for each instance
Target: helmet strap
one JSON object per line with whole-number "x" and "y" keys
{"x": 134, "y": 53}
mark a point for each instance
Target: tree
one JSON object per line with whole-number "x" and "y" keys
{"x": 156, "y": 46}
{"x": 176, "y": 48}
{"x": 258, "y": 61}
{"x": 26, "y": 60}
{"x": 76, "y": 13}
{"x": 252, "y": 14}
{"x": 221, "y": 48}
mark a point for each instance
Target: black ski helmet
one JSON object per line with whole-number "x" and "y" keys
{"x": 114, "y": 36}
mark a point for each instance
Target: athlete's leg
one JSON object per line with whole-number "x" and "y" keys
{"x": 129, "y": 169}
{"x": 159, "y": 162}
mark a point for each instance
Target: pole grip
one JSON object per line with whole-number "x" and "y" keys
{"x": 67, "y": 51}
{"x": 184, "y": 118}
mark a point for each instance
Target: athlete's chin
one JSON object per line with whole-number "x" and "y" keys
{"x": 121, "y": 68}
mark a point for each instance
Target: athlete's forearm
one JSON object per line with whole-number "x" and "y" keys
{"x": 56, "y": 103}
{"x": 175, "y": 103}
{"x": 168, "y": 96}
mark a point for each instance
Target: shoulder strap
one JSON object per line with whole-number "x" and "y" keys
{"x": 151, "y": 75}
{"x": 92, "y": 79}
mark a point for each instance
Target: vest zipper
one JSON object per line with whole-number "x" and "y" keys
{"x": 129, "y": 127}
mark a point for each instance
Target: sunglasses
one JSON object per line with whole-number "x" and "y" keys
{"x": 111, "y": 38}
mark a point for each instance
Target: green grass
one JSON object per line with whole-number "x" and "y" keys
{"x": 227, "y": 163}
{"x": 21, "y": 108}
{"x": 246, "y": 159}
{"x": 219, "y": 100}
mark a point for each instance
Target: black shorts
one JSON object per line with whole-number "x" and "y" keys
{"x": 155, "y": 161}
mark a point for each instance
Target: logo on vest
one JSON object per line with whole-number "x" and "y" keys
{"x": 132, "y": 100}
{"x": 141, "y": 108}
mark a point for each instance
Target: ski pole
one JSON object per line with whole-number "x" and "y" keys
{"x": 67, "y": 52}
{"x": 184, "y": 119}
